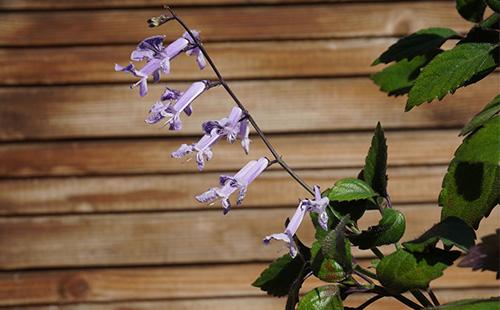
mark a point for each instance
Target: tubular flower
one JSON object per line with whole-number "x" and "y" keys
{"x": 230, "y": 184}
{"x": 195, "y": 50}
{"x": 229, "y": 127}
{"x": 179, "y": 102}
{"x": 157, "y": 59}
{"x": 317, "y": 205}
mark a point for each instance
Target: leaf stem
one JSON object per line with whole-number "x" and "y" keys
{"x": 369, "y": 302}
{"x": 380, "y": 290}
{"x": 254, "y": 124}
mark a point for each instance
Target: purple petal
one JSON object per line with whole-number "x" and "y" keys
{"x": 171, "y": 94}
{"x": 155, "y": 113}
{"x": 188, "y": 37}
{"x": 183, "y": 150}
{"x": 254, "y": 171}
{"x": 195, "y": 90}
{"x": 288, "y": 239}
{"x": 176, "y": 47}
{"x": 207, "y": 196}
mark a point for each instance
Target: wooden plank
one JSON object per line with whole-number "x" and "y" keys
{"x": 153, "y": 155}
{"x": 167, "y": 238}
{"x": 94, "y": 64}
{"x": 256, "y": 302}
{"x": 214, "y": 281}
{"x": 231, "y": 23}
{"x": 176, "y": 192}
{"x": 93, "y": 4}
{"x": 310, "y": 105}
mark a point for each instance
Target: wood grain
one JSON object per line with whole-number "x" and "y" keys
{"x": 176, "y": 192}
{"x": 153, "y": 155}
{"x": 230, "y": 23}
{"x": 256, "y": 302}
{"x": 168, "y": 238}
{"x": 239, "y": 60}
{"x": 213, "y": 281}
{"x": 278, "y": 106}
{"x": 93, "y": 4}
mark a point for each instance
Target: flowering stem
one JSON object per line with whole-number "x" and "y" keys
{"x": 259, "y": 131}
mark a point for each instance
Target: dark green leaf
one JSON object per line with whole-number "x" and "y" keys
{"x": 494, "y": 5}
{"x": 451, "y": 231}
{"x": 326, "y": 269}
{"x": 471, "y": 10}
{"x": 485, "y": 255}
{"x": 322, "y": 298}
{"x": 278, "y": 277}
{"x": 355, "y": 209}
{"x": 351, "y": 189}
{"x": 451, "y": 70}
{"x": 492, "y": 303}
{"x": 480, "y": 34}
{"x": 335, "y": 246}
{"x": 375, "y": 171}
{"x": 419, "y": 43}
{"x": 389, "y": 230}
{"x": 471, "y": 186}
{"x": 402, "y": 270}
{"x": 478, "y": 120}
{"x": 293, "y": 294}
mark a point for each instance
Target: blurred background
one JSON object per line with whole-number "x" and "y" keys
{"x": 94, "y": 214}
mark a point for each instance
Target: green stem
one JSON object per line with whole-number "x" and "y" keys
{"x": 366, "y": 272}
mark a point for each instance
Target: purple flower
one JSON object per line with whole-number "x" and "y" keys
{"x": 229, "y": 127}
{"x": 179, "y": 102}
{"x": 239, "y": 181}
{"x": 157, "y": 59}
{"x": 317, "y": 205}
{"x": 194, "y": 49}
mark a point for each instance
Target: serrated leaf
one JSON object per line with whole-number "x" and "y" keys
{"x": 398, "y": 78}
{"x": 492, "y": 303}
{"x": 485, "y": 255}
{"x": 402, "y": 271}
{"x": 471, "y": 10}
{"x": 418, "y": 43}
{"x": 279, "y": 276}
{"x": 337, "y": 247}
{"x": 322, "y": 298}
{"x": 375, "y": 170}
{"x": 451, "y": 231}
{"x": 390, "y": 229}
{"x": 349, "y": 189}
{"x": 490, "y": 110}
{"x": 471, "y": 186}
{"x": 293, "y": 294}
{"x": 450, "y": 70}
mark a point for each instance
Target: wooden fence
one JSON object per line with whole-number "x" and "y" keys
{"x": 94, "y": 214}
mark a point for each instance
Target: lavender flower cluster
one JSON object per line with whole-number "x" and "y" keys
{"x": 173, "y": 103}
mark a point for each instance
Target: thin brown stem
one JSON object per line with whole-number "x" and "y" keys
{"x": 254, "y": 124}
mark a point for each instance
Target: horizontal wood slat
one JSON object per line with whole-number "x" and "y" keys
{"x": 176, "y": 192}
{"x": 239, "y": 60}
{"x": 118, "y": 284}
{"x": 153, "y": 155}
{"x": 168, "y": 238}
{"x": 278, "y": 106}
{"x": 261, "y": 303}
{"x": 93, "y": 4}
{"x": 230, "y": 23}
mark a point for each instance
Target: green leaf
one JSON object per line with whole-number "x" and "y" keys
{"x": 478, "y": 120}
{"x": 470, "y": 187}
{"x": 322, "y": 298}
{"x": 279, "y": 276}
{"x": 451, "y": 70}
{"x": 293, "y": 294}
{"x": 390, "y": 229}
{"x": 331, "y": 258}
{"x": 402, "y": 271}
{"x": 351, "y": 189}
{"x": 418, "y": 43}
{"x": 492, "y": 303}
{"x": 451, "y": 231}
{"x": 494, "y": 5}
{"x": 398, "y": 78}
{"x": 485, "y": 255}
{"x": 375, "y": 171}
{"x": 471, "y": 10}
{"x": 355, "y": 208}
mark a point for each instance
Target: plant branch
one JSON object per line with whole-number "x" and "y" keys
{"x": 369, "y": 302}
{"x": 433, "y": 297}
{"x": 382, "y": 291}
{"x": 254, "y": 124}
